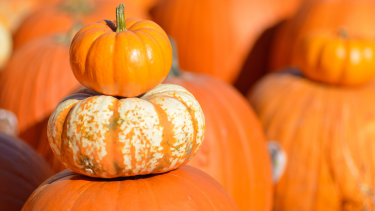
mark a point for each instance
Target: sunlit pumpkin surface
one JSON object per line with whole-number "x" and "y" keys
{"x": 183, "y": 189}
{"x": 328, "y": 134}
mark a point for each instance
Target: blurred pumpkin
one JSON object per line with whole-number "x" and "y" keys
{"x": 234, "y": 149}
{"x": 214, "y": 37}
{"x": 141, "y": 61}
{"x": 13, "y": 12}
{"x": 22, "y": 171}
{"x": 155, "y": 133}
{"x": 6, "y": 44}
{"x": 60, "y": 17}
{"x": 328, "y": 134}
{"x": 36, "y": 78}
{"x": 186, "y": 188}
{"x": 8, "y": 123}
{"x": 355, "y": 16}
{"x": 337, "y": 59}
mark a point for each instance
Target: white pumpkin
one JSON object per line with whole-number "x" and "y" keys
{"x": 102, "y": 136}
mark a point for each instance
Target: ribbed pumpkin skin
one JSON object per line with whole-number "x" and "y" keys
{"x": 22, "y": 171}
{"x": 328, "y": 134}
{"x": 234, "y": 148}
{"x": 186, "y": 188}
{"x": 52, "y": 19}
{"x": 141, "y": 60}
{"x": 355, "y": 16}
{"x": 36, "y": 78}
{"x": 101, "y": 136}
{"x": 333, "y": 59}
{"x": 223, "y": 32}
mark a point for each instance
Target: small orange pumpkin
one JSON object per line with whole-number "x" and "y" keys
{"x": 184, "y": 189}
{"x": 336, "y": 59}
{"x": 123, "y": 58}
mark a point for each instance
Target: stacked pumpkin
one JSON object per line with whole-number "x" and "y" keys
{"x": 126, "y": 124}
{"x": 325, "y": 120}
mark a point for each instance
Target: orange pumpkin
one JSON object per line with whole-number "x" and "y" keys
{"x": 328, "y": 134}
{"x": 234, "y": 148}
{"x": 214, "y": 37}
{"x": 36, "y": 78}
{"x": 13, "y": 12}
{"x": 337, "y": 59}
{"x": 183, "y": 189}
{"x": 101, "y": 136}
{"x": 61, "y": 17}
{"x": 123, "y": 58}
{"x": 355, "y": 16}
{"x": 22, "y": 171}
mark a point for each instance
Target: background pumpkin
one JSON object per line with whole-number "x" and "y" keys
{"x": 186, "y": 188}
{"x": 8, "y": 123}
{"x": 328, "y": 134}
{"x": 102, "y": 136}
{"x": 336, "y": 58}
{"x": 36, "y": 78}
{"x": 355, "y": 16}
{"x": 22, "y": 171}
{"x": 234, "y": 148}
{"x": 60, "y": 17}
{"x": 223, "y": 32}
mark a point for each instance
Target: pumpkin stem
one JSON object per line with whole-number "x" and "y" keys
{"x": 175, "y": 69}
{"x": 120, "y": 18}
{"x": 67, "y": 38}
{"x": 343, "y": 33}
{"x": 77, "y": 7}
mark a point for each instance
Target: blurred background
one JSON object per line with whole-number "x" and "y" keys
{"x": 282, "y": 134}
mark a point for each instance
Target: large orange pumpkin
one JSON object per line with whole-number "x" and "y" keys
{"x": 355, "y": 16}
{"x": 214, "y": 37}
{"x": 338, "y": 59}
{"x": 60, "y": 17}
{"x": 141, "y": 60}
{"x": 186, "y": 188}
{"x": 234, "y": 148}
{"x": 22, "y": 171}
{"x": 101, "y": 136}
{"x": 328, "y": 134}
{"x": 36, "y": 78}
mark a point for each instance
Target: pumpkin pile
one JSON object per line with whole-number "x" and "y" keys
{"x": 125, "y": 138}
{"x": 324, "y": 119}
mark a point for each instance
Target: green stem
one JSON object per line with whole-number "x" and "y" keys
{"x": 120, "y": 18}
{"x": 343, "y": 33}
{"x": 175, "y": 69}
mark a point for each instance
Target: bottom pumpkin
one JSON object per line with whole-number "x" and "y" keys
{"x": 186, "y": 188}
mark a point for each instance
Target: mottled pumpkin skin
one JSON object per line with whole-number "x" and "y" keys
{"x": 336, "y": 59}
{"x": 22, "y": 171}
{"x": 101, "y": 136}
{"x": 126, "y": 63}
{"x": 328, "y": 134}
{"x": 234, "y": 149}
{"x": 183, "y": 189}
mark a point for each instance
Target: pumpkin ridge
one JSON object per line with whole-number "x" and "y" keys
{"x": 167, "y": 136}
